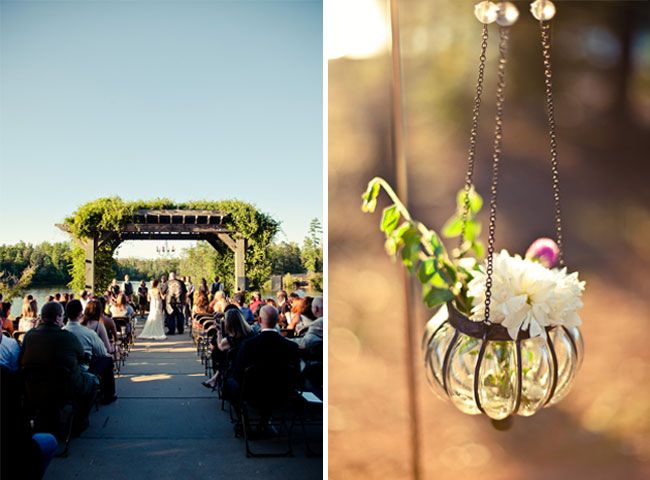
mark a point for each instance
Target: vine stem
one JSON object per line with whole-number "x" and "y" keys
{"x": 426, "y": 236}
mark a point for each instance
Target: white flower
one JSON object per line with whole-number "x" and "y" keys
{"x": 527, "y": 295}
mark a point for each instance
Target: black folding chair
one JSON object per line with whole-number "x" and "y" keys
{"x": 309, "y": 408}
{"x": 49, "y": 396}
{"x": 267, "y": 391}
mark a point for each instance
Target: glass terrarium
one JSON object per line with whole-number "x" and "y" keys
{"x": 482, "y": 370}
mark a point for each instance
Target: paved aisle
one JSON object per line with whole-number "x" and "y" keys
{"x": 166, "y": 425}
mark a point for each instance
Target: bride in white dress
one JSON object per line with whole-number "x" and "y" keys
{"x": 153, "y": 329}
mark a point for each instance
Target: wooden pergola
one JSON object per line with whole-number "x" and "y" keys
{"x": 148, "y": 224}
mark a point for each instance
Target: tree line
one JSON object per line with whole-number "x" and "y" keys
{"x": 53, "y": 261}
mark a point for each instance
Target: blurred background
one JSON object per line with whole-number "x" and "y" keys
{"x": 601, "y": 62}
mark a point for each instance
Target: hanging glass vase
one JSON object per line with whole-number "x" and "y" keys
{"x": 480, "y": 369}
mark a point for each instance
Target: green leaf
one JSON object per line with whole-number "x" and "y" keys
{"x": 438, "y": 249}
{"x": 453, "y": 227}
{"x": 427, "y": 270}
{"x": 451, "y": 271}
{"x": 475, "y": 201}
{"x": 370, "y": 197}
{"x": 472, "y": 230}
{"x": 435, "y": 296}
{"x": 405, "y": 233}
{"x": 411, "y": 249}
{"x": 390, "y": 219}
{"x": 478, "y": 248}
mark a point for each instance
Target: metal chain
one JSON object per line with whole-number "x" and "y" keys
{"x": 504, "y": 35}
{"x": 474, "y": 132}
{"x": 548, "y": 80}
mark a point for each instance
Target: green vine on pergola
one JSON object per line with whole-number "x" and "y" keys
{"x": 112, "y": 214}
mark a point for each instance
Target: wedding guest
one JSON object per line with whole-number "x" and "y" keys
{"x": 257, "y": 300}
{"x": 29, "y": 318}
{"x": 84, "y": 298}
{"x": 238, "y": 299}
{"x": 7, "y": 324}
{"x": 230, "y": 335}
{"x": 219, "y": 303}
{"x": 143, "y": 293}
{"x": 114, "y": 288}
{"x": 127, "y": 289}
{"x": 49, "y": 344}
{"x": 202, "y": 305}
{"x": 101, "y": 364}
{"x": 92, "y": 314}
{"x": 9, "y": 352}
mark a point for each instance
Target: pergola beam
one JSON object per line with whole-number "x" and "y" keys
{"x": 173, "y": 224}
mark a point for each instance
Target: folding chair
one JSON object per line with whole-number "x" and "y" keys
{"x": 266, "y": 390}
{"x": 49, "y": 395}
{"x": 309, "y": 408}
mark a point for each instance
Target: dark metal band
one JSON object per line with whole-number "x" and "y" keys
{"x": 555, "y": 367}
{"x": 445, "y": 363}
{"x": 477, "y": 329}
{"x": 477, "y": 369}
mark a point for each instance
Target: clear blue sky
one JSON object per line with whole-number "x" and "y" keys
{"x": 144, "y": 99}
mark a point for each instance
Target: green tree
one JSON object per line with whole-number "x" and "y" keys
{"x": 312, "y": 248}
{"x": 285, "y": 258}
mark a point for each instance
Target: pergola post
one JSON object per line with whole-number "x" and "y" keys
{"x": 241, "y": 282}
{"x": 90, "y": 265}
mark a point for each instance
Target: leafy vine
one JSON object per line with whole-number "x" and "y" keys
{"x": 112, "y": 214}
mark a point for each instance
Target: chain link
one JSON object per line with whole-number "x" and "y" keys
{"x": 474, "y": 132}
{"x": 504, "y": 36}
{"x": 550, "y": 108}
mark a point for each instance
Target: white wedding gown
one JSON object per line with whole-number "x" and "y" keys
{"x": 153, "y": 329}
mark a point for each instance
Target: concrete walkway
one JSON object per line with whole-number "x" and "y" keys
{"x": 166, "y": 425}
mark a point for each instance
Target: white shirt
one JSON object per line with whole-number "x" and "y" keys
{"x": 9, "y": 351}
{"x": 89, "y": 339}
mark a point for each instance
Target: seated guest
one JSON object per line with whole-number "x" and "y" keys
{"x": 316, "y": 307}
{"x": 219, "y": 303}
{"x": 9, "y": 352}
{"x": 30, "y": 316}
{"x": 108, "y": 322}
{"x": 122, "y": 308}
{"x": 284, "y": 306}
{"x": 100, "y": 364}
{"x": 92, "y": 314}
{"x": 270, "y": 301}
{"x": 7, "y": 324}
{"x": 313, "y": 335}
{"x": 267, "y": 348}
{"x": 238, "y": 299}
{"x": 301, "y": 314}
{"x": 230, "y": 334}
{"x": 202, "y": 304}
{"x": 49, "y": 344}
{"x": 257, "y": 300}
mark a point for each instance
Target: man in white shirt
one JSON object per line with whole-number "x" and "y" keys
{"x": 9, "y": 351}
{"x": 100, "y": 363}
{"x": 85, "y": 298}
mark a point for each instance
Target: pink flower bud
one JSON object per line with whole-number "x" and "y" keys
{"x": 545, "y": 251}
